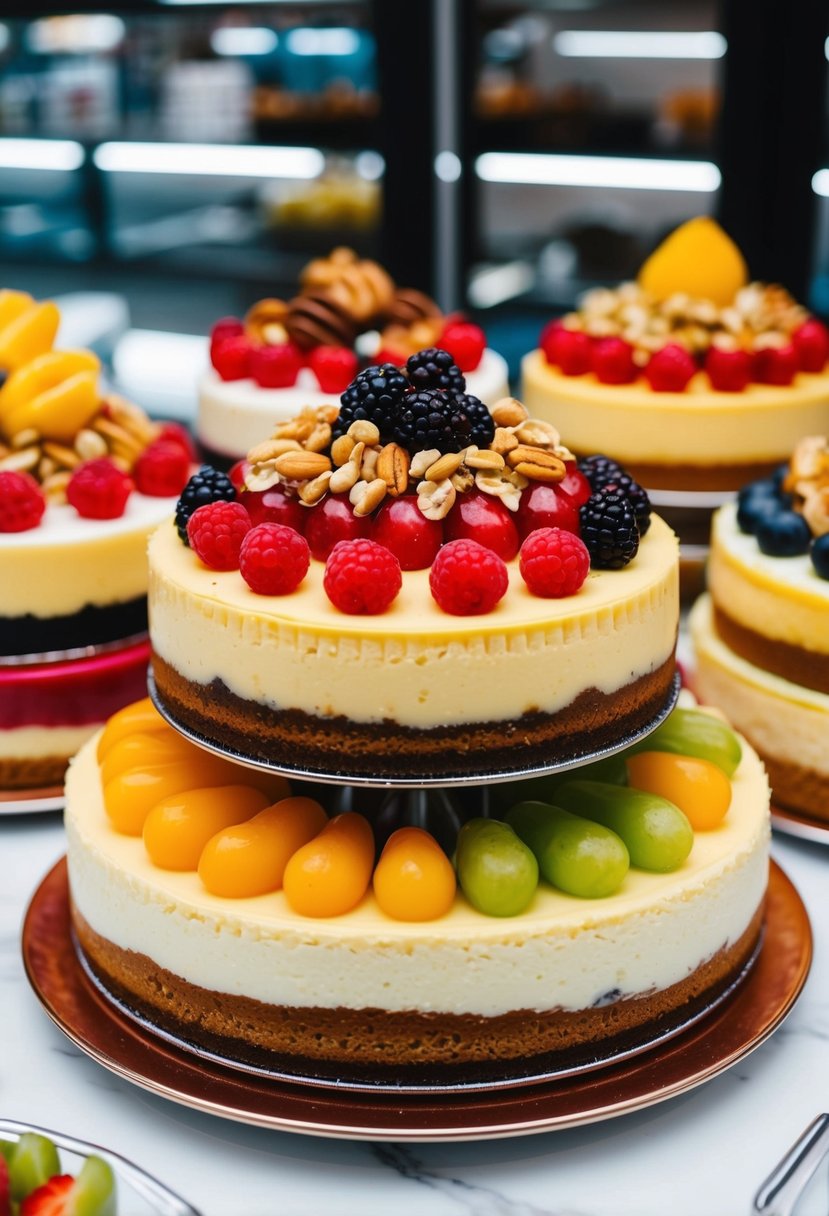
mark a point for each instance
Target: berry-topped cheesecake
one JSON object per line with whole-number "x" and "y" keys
{"x": 761, "y": 635}
{"x": 693, "y": 377}
{"x": 410, "y": 584}
{"x": 289, "y": 354}
{"x": 592, "y": 912}
{"x": 85, "y": 477}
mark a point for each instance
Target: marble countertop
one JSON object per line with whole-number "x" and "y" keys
{"x": 704, "y": 1152}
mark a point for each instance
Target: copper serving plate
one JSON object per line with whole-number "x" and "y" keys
{"x": 731, "y": 1031}
{"x": 792, "y": 823}
{"x": 31, "y": 801}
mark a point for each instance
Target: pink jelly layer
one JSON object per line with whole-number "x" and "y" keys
{"x": 76, "y": 692}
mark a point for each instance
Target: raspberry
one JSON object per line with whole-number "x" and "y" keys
{"x": 670, "y": 369}
{"x": 546, "y": 337}
{"x": 570, "y": 350}
{"x": 231, "y": 357}
{"x": 273, "y": 559}
{"x": 435, "y": 368}
{"x": 466, "y": 579}
{"x": 775, "y": 364}
{"x": 811, "y": 341}
{"x": 216, "y": 532}
{"x": 553, "y": 562}
{"x": 177, "y": 432}
{"x": 162, "y": 469}
{"x": 226, "y": 327}
{"x": 608, "y": 529}
{"x": 728, "y": 370}
{"x": 466, "y": 344}
{"x": 361, "y": 577}
{"x": 613, "y": 361}
{"x": 22, "y": 502}
{"x": 334, "y": 367}
{"x": 276, "y": 366}
{"x": 206, "y": 485}
{"x": 98, "y": 489}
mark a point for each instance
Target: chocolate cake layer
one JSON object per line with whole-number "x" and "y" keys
{"x": 372, "y": 1041}
{"x": 594, "y": 720}
{"x": 804, "y": 667}
{"x": 92, "y": 626}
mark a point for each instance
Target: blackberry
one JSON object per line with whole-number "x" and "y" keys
{"x": 205, "y": 486}
{"x": 608, "y": 528}
{"x": 638, "y": 496}
{"x": 432, "y": 419}
{"x": 483, "y": 426}
{"x": 435, "y": 368}
{"x": 599, "y": 467}
{"x": 376, "y": 394}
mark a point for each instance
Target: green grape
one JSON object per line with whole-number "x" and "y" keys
{"x": 657, "y": 833}
{"x": 497, "y": 872}
{"x": 34, "y": 1161}
{"x": 689, "y": 732}
{"x": 576, "y": 855}
{"x": 542, "y": 789}
{"x": 7, "y": 1147}
{"x": 94, "y": 1193}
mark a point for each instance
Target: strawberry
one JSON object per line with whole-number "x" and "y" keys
{"x": 53, "y": 1198}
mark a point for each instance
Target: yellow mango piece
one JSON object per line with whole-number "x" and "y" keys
{"x": 698, "y": 258}
{"x": 130, "y": 796}
{"x": 141, "y": 717}
{"x": 180, "y": 825}
{"x": 59, "y": 412}
{"x": 249, "y": 858}
{"x": 29, "y": 335}
{"x": 147, "y": 750}
{"x": 13, "y": 304}
{"x": 44, "y": 373}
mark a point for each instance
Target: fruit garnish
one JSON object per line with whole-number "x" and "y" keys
{"x": 92, "y": 1193}
{"x": 205, "y": 486}
{"x": 612, "y": 361}
{"x": 485, "y": 519}
{"x": 139, "y": 718}
{"x": 699, "y": 788}
{"x": 28, "y": 334}
{"x": 609, "y": 529}
{"x": 697, "y": 258}
{"x": 130, "y": 796}
{"x": 334, "y": 367}
{"x": 56, "y": 394}
{"x": 216, "y": 531}
{"x": 466, "y": 344}
{"x": 728, "y": 370}
{"x": 177, "y": 432}
{"x": 602, "y": 473}
{"x": 361, "y": 577}
{"x": 570, "y": 350}
{"x": 273, "y": 558}
{"x": 481, "y": 421}
{"x": 375, "y": 395}
{"x": 574, "y": 854}
{"x": 224, "y": 328}
{"x": 330, "y": 875}
{"x": 5, "y": 1184}
{"x": 249, "y": 858}
{"x": 402, "y": 528}
{"x": 758, "y": 500}
{"x": 34, "y": 1160}
{"x": 497, "y": 872}
{"x": 414, "y": 879}
{"x": 819, "y": 553}
{"x": 98, "y": 489}
{"x": 435, "y": 368}
{"x": 22, "y": 502}
{"x": 691, "y": 732}
{"x": 783, "y": 534}
{"x": 334, "y": 520}
{"x": 670, "y": 369}
{"x": 657, "y": 834}
{"x": 52, "y": 1198}
{"x": 811, "y": 341}
{"x": 162, "y": 469}
{"x": 467, "y": 579}
{"x": 548, "y": 506}
{"x": 274, "y": 506}
{"x": 276, "y": 366}
{"x": 553, "y": 563}
{"x": 775, "y": 364}
{"x": 232, "y": 357}
{"x": 429, "y": 419}
{"x": 179, "y": 826}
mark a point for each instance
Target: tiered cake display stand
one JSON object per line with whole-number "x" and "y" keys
{"x": 439, "y": 1106}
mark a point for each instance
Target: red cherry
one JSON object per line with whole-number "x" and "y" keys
{"x": 547, "y": 506}
{"x": 547, "y": 334}
{"x": 613, "y": 361}
{"x": 465, "y": 342}
{"x": 401, "y": 526}
{"x": 273, "y": 506}
{"x": 276, "y": 366}
{"x": 237, "y": 473}
{"x": 775, "y": 364}
{"x": 811, "y": 341}
{"x": 231, "y": 357}
{"x": 485, "y": 519}
{"x": 386, "y": 355}
{"x": 670, "y": 369}
{"x": 728, "y": 370}
{"x": 574, "y": 484}
{"x": 333, "y": 520}
{"x": 177, "y": 432}
{"x": 334, "y": 367}
{"x": 570, "y": 350}
{"x": 226, "y": 327}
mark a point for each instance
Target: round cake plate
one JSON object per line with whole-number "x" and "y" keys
{"x": 31, "y": 802}
{"x": 733, "y": 1029}
{"x": 793, "y": 824}
{"x": 703, "y": 500}
{"x": 421, "y": 781}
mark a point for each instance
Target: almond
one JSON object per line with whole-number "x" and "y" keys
{"x": 421, "y": 461}
{"x": 485, "y": 458}
{"x": 341, "y": 450}
{"x": 25, "y": 438}
{"x": 301, "y": 466}
{"x": 90, "y": 445}
{"x": 448, "y": 464}
{"x": 20, "y": 461}
{"x": 271, "y": 449}
{"x": 67, "y": 458}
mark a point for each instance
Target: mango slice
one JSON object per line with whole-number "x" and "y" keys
{"x": 56, "y": 393}
{"x": 698, "y": 258}
{"x": 28, "y": 335}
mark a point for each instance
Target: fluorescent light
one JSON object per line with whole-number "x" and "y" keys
{"x": 209, "y": 160}
{"x": 75, "y": 35}
{"x": 243, "y": 40}
{"x": 820, "y": 183}
{"x": 59, "y": 155}
{"x": 332, "y": 40}
{"x": 640, "y": 44}
{"x": 613, "y": 172}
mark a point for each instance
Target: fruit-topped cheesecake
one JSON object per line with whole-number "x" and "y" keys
{"x": 695, "y": 378}
{"x": 288, "y": 354}
{"x": 410, "y": 584}
{"x": 761, "y": 635}
{"x": 253, "y": 918}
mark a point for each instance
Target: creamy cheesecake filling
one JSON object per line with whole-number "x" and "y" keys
{"x": 32, "y": 742}
{"x": 235, "y": 415}
{"x": 561, "y": 954}
{"x": 414, "y": 664}
{"x": 696, "y": 427}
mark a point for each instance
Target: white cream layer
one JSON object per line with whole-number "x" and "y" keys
{"x": 782, "y": 720}
{"x": 414, "y": 664}
{"x": 67, "y": 562}
{"x": 699, "y": 426}
{"x": 780, "y": 597}
{"x": 235, "y": 415}
{"x": 562, "y": 953}
{"x": 32, "y": 742}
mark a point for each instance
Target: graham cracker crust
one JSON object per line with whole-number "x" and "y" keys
{"x": 594, "y": 720}
{"x": 797, "y": 788}
{"x": 32, "y": 773}
{"x": 804, "y": 667}
{"x": 373, "y": 1042}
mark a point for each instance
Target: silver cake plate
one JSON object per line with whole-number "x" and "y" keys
{"x": 519, "y": 772}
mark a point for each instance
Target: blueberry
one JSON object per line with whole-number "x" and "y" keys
{"x": 757, "y": 501}
{"x": 785, "y": 534}
{"x": 779, "y": 475}
{"x": 819, "y": 553}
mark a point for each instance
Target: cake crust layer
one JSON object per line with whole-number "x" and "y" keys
{"x": 794, "y": 663}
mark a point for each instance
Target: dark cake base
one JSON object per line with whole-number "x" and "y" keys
{"x": 92, "y": 626}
